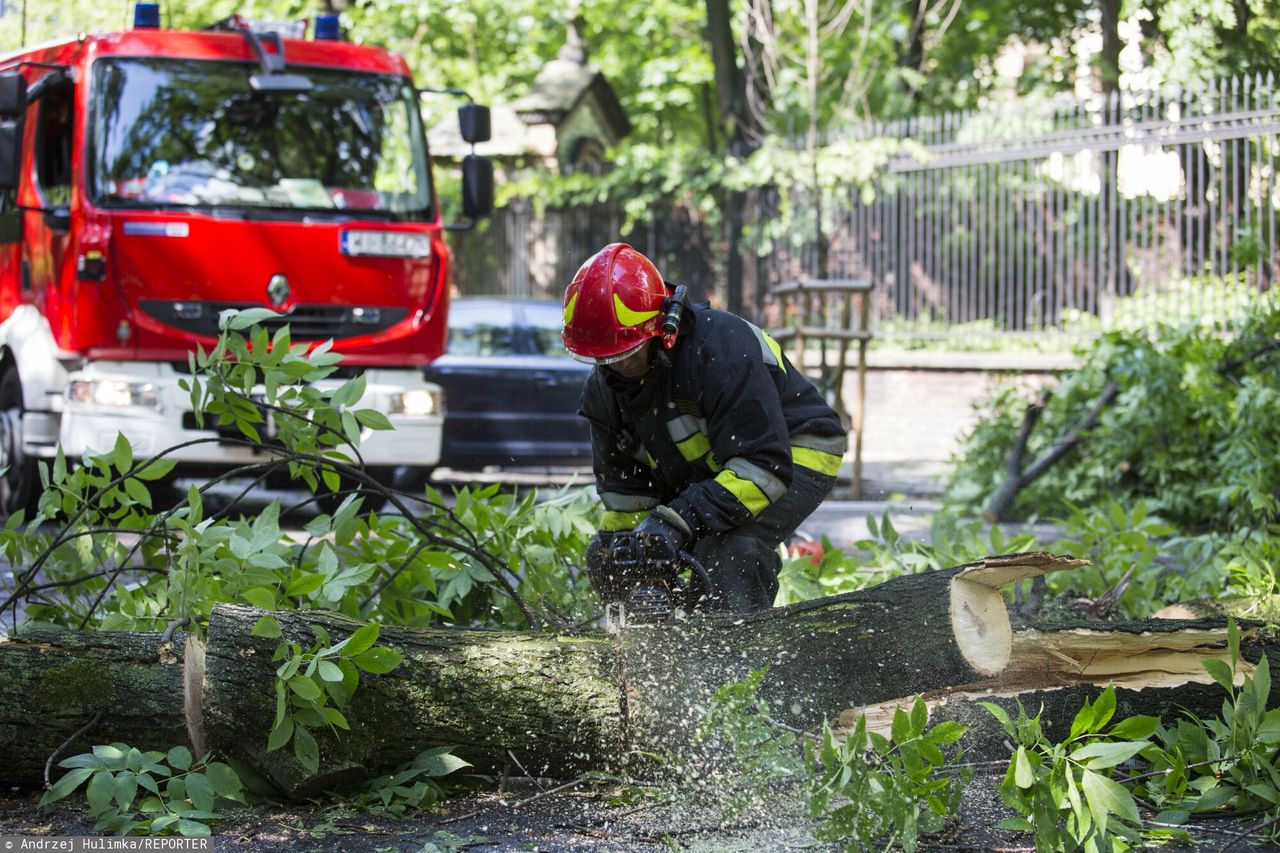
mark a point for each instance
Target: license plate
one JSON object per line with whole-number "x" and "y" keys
{"x": 385, "y": 244}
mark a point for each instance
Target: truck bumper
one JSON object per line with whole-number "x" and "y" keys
{"x": 152, "y": 427}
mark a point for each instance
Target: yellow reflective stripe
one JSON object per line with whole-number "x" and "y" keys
{"x": 747, "y": 492}
{"x": 626, "y": 316}
{"x": 568, "y": 309}
{"x": 770, "y": 351}
{"x": 619, "y": 502}
{"x": 694, "y": 447}
{"x": 613, "y": 521}
{"x": 816, "y": 460}
{"x": 776, "y": 349}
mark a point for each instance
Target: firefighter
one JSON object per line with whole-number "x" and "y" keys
{"x": 705, "y": 440}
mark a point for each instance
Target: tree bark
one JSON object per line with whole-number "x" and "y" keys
{"x": 560, "y": 704}
{"x": 56, "y": 682}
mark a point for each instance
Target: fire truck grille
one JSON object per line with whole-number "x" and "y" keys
{"x": 305, "y": 322}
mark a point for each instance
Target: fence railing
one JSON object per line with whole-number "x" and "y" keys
{"x": 1072, "y": 219}
{"x": 1067, "y": 218}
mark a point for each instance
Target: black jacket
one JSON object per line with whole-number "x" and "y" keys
{"x": 709, "y": 430}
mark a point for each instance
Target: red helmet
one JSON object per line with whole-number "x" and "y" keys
{"x": 613, "y": 305}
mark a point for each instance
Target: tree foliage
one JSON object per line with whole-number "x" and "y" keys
{"x": 1189, "y": 432}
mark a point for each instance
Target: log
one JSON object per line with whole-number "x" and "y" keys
{"x": 550, "y": 700}
{"x": 559, "y": 705}
{"x": 128, "y": 685}
{"x": 556, "y": 705}
{"x": 1154, "y": 666}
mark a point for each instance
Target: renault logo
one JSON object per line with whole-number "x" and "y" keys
{"x": 278, "y": 290}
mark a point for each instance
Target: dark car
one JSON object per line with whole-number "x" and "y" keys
{"x": 511, "y": 390}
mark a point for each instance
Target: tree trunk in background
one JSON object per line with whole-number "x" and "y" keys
{"x": 1117, "y": 282}
{"x": 742, "y": 131}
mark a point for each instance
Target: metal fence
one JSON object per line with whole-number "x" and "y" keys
{"x": 1074, "y": 218}
{"x": 1067, "y": 217}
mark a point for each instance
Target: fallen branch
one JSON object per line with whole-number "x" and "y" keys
{"x": 1019, "y": 475}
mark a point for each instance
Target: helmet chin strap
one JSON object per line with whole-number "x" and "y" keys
{"x": 675, "y": 309}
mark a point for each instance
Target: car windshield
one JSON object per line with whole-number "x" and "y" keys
{"x": 481, "y": 329}
{"x": 171, "y": 132}
{"x": 545, "y": 323}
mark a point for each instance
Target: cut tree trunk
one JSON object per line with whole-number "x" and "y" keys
{"x": 556, "y": 705}
{"x": 1154, "y": 665}
{"x": 560, "y": 705}
{"x": 55, "y": 683}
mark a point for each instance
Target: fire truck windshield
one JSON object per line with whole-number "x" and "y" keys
{"x": 184, "y": 133}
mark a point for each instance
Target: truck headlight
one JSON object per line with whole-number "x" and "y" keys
{"x": 417, "y": 403}
{"x": 112, "y": 392}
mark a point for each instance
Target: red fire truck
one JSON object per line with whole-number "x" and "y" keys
{"x": 151, "y": 178}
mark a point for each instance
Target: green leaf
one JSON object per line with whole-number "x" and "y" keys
{"x": 361, "y": 640}
{"x": 438, "y": 762}
{"x": 334, "y": 717}
{"x": 1220, "y": 672}
{"x": 179, "y": 757}
{"x": 67, "y": 783}
{"x": 156, "y": 469}
{"x": 1106, "y": 796}
{"x": 101, "y": 790}
{"x": 225, "y": 781}
{"x": 126, "y": 789}
{"x": 267, "y": 626}
{"x": 373, "y": 419}
{"x": 305, "y": 584}
{"x": 1135, "y": 728}
{"x": 305, "y": 688}
{"x": 1023, "y": 776}
{"x": 112, "y": 755}
{"x": 280, "y": 734}
{"x": 329, "y": 671}
{"x": 1104, "y": 709}
{"x": 137, "y": 492}
{"x": 377, "y": 660}
{"x": 238, "y": 320}
{"x": 1017, "y": 824}
{"x": 1099, "y": 756}
{"x": 122, "y": 455}
{"x": 306, "y": 749}
{"x": 193, "y": 828}
{"x": 260, "y": 597}
{"x": 1000, "y": 714}
{"x": 200, "y": 791}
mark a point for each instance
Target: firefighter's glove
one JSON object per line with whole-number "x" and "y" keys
{"x": 663, "y": 541}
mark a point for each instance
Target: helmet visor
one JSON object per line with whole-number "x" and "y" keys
{"x": 609, "y": 359}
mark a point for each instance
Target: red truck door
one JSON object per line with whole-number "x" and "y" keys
{"x": 46, "y": 228}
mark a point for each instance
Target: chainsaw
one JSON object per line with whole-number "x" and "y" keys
{"x": 641, "y": 585}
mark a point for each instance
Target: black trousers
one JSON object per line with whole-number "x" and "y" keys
{"x": 743, "y": 564}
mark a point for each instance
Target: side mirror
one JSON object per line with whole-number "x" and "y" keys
{"x": 58, "y": 218}
{"x": 473, "y": 122}
{"x": 477, "y": 186}
{"x": 13, "y": 95}
{"x": 10, "y": 155}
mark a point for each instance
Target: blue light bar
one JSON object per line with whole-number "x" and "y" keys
{"x": 146, "y": 16}
{"x": 327, "y": 28}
